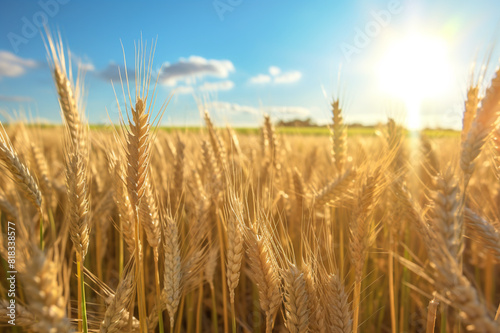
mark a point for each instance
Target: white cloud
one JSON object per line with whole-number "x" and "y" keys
{"x": 83, "y": 63}
{"x": 215, "y": 86}
{"x": 286, "y": 110}
{"x": 205, "y": 87}
{"x": 261, "y": 78}
{"x": 246, "y": 109}
{"x": 276, "y": 76}
{"x": 112, "y": 73}
{"x": 288, "y": 77}
{"x": 232, "y": 108}
{"x": 185, "y": 70}
{"x": 17, "y": 99}
{"x": 194, "y": 67}
{"x": 273, "y": 70}
{"x": 14, "y": 66}
{"x": 87, "y": 67}
{"x": 182, "y": 90}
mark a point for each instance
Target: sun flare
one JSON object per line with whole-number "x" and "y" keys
{"x": 413, "y": 69}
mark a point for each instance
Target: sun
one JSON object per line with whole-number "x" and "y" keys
{"x": 412, "y": 69}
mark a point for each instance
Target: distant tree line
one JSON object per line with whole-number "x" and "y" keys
{"x": 308, "y": 122}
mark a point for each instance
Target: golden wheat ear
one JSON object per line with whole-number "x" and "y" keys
{"x": 234, "y": 251}
{"x": 46, "y": 303}
{"x": 117, "y": 316}
{"x": 69, "y": 92}
{"x": 19, "y": 170}
{"x": 296, "y": 300}
{"x": 484, "y": 231}
{"x": 481, "y": 128}
{"x": 136, "y": 136}
{"x": 172, "y": 276}
{"x": 338, "y": 136}
{"x": 264, "y": 272}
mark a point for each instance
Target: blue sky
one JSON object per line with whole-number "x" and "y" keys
{"x": 246, "y": 57}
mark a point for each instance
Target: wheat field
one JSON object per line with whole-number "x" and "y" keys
{"x": 133, "y": 229}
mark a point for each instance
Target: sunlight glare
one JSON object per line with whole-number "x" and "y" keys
{"x": 413, "y": 69}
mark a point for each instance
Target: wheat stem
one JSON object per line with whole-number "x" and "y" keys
{"x": 83, "y": 307}
{"x": 355, "y": 305}
{"x": 199, "y": 308}
{"x": 431, "y": 315}
{"x": 158, "y": 291}
{"x": 215, "y": 322}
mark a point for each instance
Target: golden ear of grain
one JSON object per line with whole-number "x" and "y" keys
{"x": 138, "y": 153}
{"x": 296, "y": 300}
{"x": 24, "y": 317}
{"x": 446, "y": 217}
{"x": 412, "y": 210}
{"x": 484, "y": 231}
{"x": 46, "y": 301}
{"x": 41, "y": 169}
{"x": 335, "y": 189}
{"x": 234, "y": 252}
{"x": 337, "y": 307}
{"x": 338, "y": 136}
{"x": 19, "y": 171}
{"x": 430, "y": 161}
{"x": 78, "y": 202}
{"x": 149, "y": 216}
{"x": 117, "y": 311}
{"x": 317, "y": 313}
{"x": 68, "y": 93}
{"x": 125, "y": 210}
{"x": 264, "y": 273}
{"x": 458, "y": 292}
{"x": 481, "y": 127}
{"x": 272, "y": 141}
{"x": 360, "y": 226}
{"x": 172, "y": 275}
{"x": 495, "y": 151}
{"x": 470, "y": 110}
{"x": 395, "y": 141}
{"x": 218, "y": 149}
{"x": 455, "y": 288}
